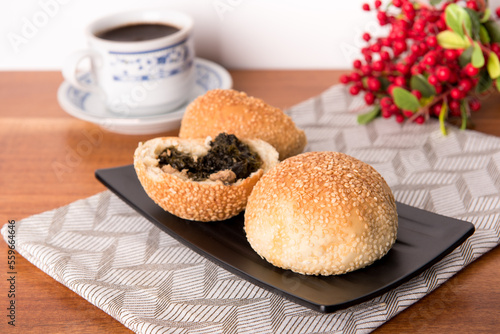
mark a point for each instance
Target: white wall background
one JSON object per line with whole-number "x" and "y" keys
{"x": 259, "y": 34}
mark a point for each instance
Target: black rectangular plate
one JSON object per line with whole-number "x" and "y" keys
{"x": 423, "y": 239}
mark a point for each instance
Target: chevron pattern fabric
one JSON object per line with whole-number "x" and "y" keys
{"x": 108, "y": 254}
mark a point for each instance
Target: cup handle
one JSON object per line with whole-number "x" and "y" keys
{"x": 70, "y": 69}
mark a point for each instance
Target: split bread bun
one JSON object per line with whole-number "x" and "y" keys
{"x": 230, "y": 111}
{"x": 321, "y": 213}
{"x": 204, "y": 200}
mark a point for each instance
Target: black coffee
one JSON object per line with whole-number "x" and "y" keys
{"x": 137, "y": 32}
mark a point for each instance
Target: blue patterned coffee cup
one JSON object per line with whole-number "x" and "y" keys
{"x": 138, "y": 78}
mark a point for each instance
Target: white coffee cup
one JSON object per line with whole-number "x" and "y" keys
{"x": 138, "y": 78}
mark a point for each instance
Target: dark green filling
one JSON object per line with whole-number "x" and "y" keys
{"x": 226, "y": 153}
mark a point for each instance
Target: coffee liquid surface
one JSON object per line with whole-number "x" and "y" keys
{"x": 137, "y": 32}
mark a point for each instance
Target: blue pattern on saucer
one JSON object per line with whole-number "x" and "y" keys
{"x": 77, "y": 96}
{"x": 206, "y": 77}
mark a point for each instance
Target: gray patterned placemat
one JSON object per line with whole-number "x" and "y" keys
{"x": 111, "y": 256}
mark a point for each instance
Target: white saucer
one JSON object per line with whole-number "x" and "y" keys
{"x": 89, "y": 107}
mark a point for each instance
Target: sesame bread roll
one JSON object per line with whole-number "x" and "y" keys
{"x": 227, "y": 110}
{"x": 321, "y": 213}
{"x": 219, "y": 195}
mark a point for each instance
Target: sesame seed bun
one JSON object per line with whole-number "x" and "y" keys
{"x": 321, "y": 213}
{"x": 205, "y": 200}
{"x": 227, "y": 110}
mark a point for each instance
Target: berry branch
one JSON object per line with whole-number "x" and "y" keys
{"x": 436, "y": 60}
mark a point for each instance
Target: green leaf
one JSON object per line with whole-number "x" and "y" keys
{"x": 451, "y": 40}
{"x": 473, "y": 29}
{"x": 435, "y": 2}
{"x": 497, "y": 83}
{"x": 456, "y": 18}
{"x": 369, "y": 116}
{"x": 420, "y": 83}
{"x": 493, "y": 65}
{"x": 484, "y": 82}
{"x": 465, "y": 57}
{"x": 405, "y": 100}
{"x": 442, "y": 117}
{"x": 493, "y": 31}
{"x": 483, "y": 35}
{"x": 486, "y": 16}
{"x": 477, "y": 58}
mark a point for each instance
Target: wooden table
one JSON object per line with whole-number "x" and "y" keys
{"x": 36, "y": 134}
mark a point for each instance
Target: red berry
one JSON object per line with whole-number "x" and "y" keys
{"x": 431, "y": 41}
{"x": 385, "y": 41}
{"x": 408, "y": 113}
{"x": 400, "y": 81}
{"x": 455, "y": 93}
{"x": 474, "y": 104}
{"x": 369, "y": 98}
{"x": 400, "y": 118}
{"x": 408, "y": 7}
{"x": 366, "y": 7}
{"x": 366, "y": 69}
{"x": 433, "y": 79}
{"x": 420, "y": 120}
{"x": 401, "y": 34}
{"x": 417, "y": 94}
{"x": 397, "y": 3}
{"x": 443, "y": 73}
{"x": 386, "y": 102}
{"x": 441, "y": 24}
{"x": 373, "y": 84}
{"x": 378, "y": 3}
{"x": 344, "y": 78}
{"x": 399, "y": 47}
{"x": 465, "y": 85}
{"x": 410, "y": 59}
{"x": 354, "y": 90}
{"x": 386, "y": 113}
{"x": 356, "y": 63}
{"x": 366, "y": 36}
{"x": 450, "y": 54}
{"x": 355, "y": 76}
{"x": 416, "y": 69}
{"x": 423, "y": 48}
{"x": 394, "y": 109}
{"x": 382, "y": 18}
{"x": 419, "y": 25}
{"x": 453, "y": 77}
{"x": 436, "y": 109}
{"x": 497, "y": 11}
{"x": 384, "y": 55}
{"x": 376, "y": 47}
{"x": 378, "y": 66}
{"x": 471, "y": 70}
{"x": 402, "y": 68}
{"x": 454, "y": 105}
{"x": 472, "y": 5}
{"x": 430, "y": 59}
